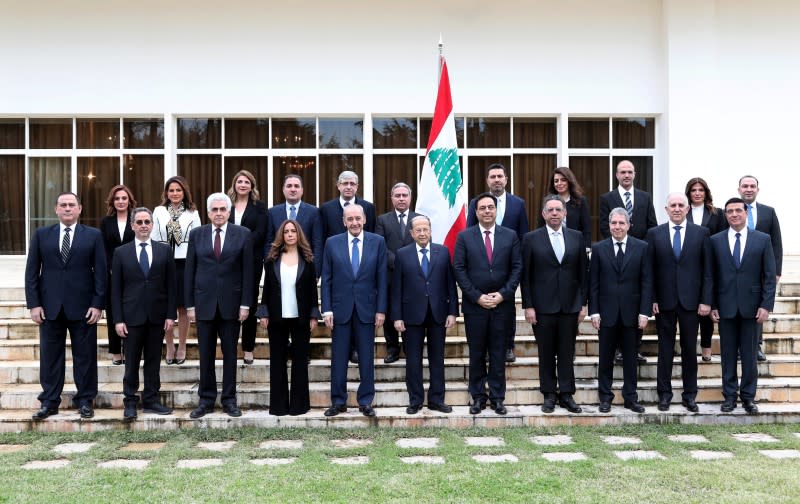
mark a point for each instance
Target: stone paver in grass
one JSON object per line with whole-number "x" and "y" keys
{"x": 558, "y": 440}
{"x": 797, "y": 434}
{"x": 564, "y": 456}
{"x": 421, "y": 442}
{"x": 494, "y": 459}
{"x": 350, "y": 460}
{"x": 780, "y": 454}
{"x": 217, "y": 446}
{"x": 281, "y": 444}
{"x": 140, "y": 447}
{"x": 273, "y": 461}
{"x": 484, "y": 441}
{"x": 124, "y": 464}
{"x": 351, "y": 443}
{"x": 688, "y": 438}
{"x": 69, "y": 448}
{"x": 638, "y": 455}
{"x": 46, "y": 464}
{"x": 754, "y": 437}
{"x": 198, "y": 463}
{"x": 422, "y": 460}
{"x": 710, "y": 454}
{"x": 11, "y": 448}
{"x": 621, "y": 440}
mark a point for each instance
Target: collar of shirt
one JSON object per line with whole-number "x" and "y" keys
{"x": 139, "y": 243}
{"x": 342, "y": 201}
{"x": 351, "y": 237}
{"x": 223, "y": 227}
{"x": 624, "y": 242}
{"x": 622, "y": 192}
{"x": 419, "y": 254}
{"x": 63, "y": 227}
{"x": 295, "y": 205}
{"x": 405, "y": 215}
{"x": 491, "y": 230}
{"x": 550, "y": 230}
{"x": 732, "y": 234}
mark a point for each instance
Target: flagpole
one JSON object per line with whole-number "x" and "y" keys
{"x": 441, "y": 58}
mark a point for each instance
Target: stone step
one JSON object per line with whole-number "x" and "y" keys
{"x": 388, "y": 394}
{"x": 105, "y": 419}
{"x": 456, "y": 369}
{"x": 455, "y": 347}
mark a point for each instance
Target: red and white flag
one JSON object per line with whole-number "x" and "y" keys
{"x": 442, "y": 194}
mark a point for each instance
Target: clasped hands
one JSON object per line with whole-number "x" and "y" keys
{"x": 490, "y": 300}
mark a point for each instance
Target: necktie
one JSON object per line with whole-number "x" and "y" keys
{"x": 218, "y": 244}
{"x": 488, "y": 242}
{"x": 65, "y": 245}
{"x": 750, "y": 224}
{"x": 501, "y": 209}
{"x": 676, "y": 242}
{"x": 558, "y": 248}
{"x": 425, "y": 262}
{"x": 346, "y": 203}
{"x": 628, "y": 204}
{"x": 354, "y": 257}
{"x": 620, "y": 254}
{"x": 144, "y": 263}
{"x": 292, "y": 213}
{"x": 402, "y": 222}
{"x": 737, "y": 251}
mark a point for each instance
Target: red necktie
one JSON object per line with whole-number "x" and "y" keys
{"x": 218, "y": 244}
{"x": 488, "y": 242}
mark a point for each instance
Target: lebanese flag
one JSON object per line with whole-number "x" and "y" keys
{"x": 441, "y": 190}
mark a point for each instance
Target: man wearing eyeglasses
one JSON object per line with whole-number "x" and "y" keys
{"x": 143, "y": 293}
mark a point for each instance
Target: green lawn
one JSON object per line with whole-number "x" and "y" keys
{"x": 747, "y": 477}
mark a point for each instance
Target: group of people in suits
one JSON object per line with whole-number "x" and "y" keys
{"x": 150, "y": 269}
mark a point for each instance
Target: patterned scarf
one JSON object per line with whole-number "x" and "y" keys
{"x": 174, "y": 235}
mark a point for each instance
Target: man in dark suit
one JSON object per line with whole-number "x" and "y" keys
{"x": 65, "y": 282}
{"x": 511, "y": 214}
{"x": 641, "y": 217}
{"x": 354, "y": 292}
{"x": 554, "y": 283}
{"x": 682, "y": 277}
{"x": 762, "y": 218}
{"x": 394, "y": 226}
{"x": 744, "y": 294}
{"x": 218, "y": 288}
{"x": 306, "y": 215}
{"x": 620, "y": 290}
{"x": 422, "y": 271}
{"x": 488, "y": 266}
{"x": 143, "y": 296}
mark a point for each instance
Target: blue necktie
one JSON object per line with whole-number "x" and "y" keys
{"x": 676, "y": 242}
{"x": 292, "y": 213}
{"x": 737, "y": 251}
{"x": 425, "y": 263}
{"x": 354, "y": 258}
{"x": 144, "y": 263}
{"x": 750, "y": 224}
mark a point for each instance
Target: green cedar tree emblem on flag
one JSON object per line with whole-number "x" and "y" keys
{"x": 448, "y": 172}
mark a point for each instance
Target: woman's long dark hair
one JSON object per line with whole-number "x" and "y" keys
{"x": 277, "y": 246}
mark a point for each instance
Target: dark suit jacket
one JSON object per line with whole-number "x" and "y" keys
{"x": 137, "y": 300}
{"x": 305, "y": 291}
{"x": 410, "y": 287}
{"x": 254, "y": 218}
{"x": 547, "y": 285}
{"x": 752, "y": 286}
{"x": 331, "y": 213}
{"x": 342, "y": 292}
{"x": 578, "y": 218}
{"x": 768, "y": 223}
{"x": 75, "y": 286}
{"x": 715, "y": 222}
{"x": 110, "y": 232}
{"x": 227, "y": 283}
{"x": 309, "y": 218}
{"x": 620, "y": 293}
{"x": 514, "y": 218}
{"x": 476, "y": 276}
{"x": 389, "y": 228}
{"x": 644, "y": 215}
{"x": 684, "y": 282}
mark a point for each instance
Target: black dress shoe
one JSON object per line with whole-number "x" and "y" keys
{"x": 180, "y": 361}
{"x": 549, "y": 405}
{"x": 618, "y": 357}
{"x": 499, "y": 408}
{"x": 367, "y": 410}
{"x": 413, "y": 410}
{"x": 635, "y": 407}
{"x": 640, "y": 357}
{"x": 510, "y": 357}
{"x": 129, "y": 413}
{"x": 391, "y": 356}
{"x": 86, "y": 411}
{"x": 690, "y": 405}
{"x": 663, "y": 404}
{"x": 750, "y": 407}
{"x": 44, "y": 413}
{"x": 605, "y": 407}
{"x": 728, "y": 406}
{"x": 247, "y": 362}
{"x": 169, "y": 361}
{"x": 477, "y": 406}
{"x": 232, "y": 410}
{"x": 706, "y": 359}
{"x": 760, "y": 356}
{"x": 335, "y": 410}
{"x": 158, "y": 409}
{"x": 117, "y": 362}
{"x": 354, "y": 356}
{"x": 440, "y": 407}
{"x": 568, "y": 403}
{"x": 201, "y": 411}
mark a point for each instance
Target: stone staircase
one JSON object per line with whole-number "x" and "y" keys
{"x": 778, "y": 387}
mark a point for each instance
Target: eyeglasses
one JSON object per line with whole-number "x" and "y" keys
{"x": 145, "y": 222}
